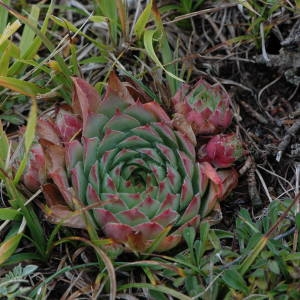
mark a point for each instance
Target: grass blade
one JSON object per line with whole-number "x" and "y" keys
{"x": 139, "y": 27}
{"x": 8, "y": 247}
{"x": 28, "y": 34}
{"x": 167, "y": 54}
{"x": 9, "y": 214}
{"x": 10, "y": 50}
{"x": 148, "y": 43}
{"x": 9, "y": 30}
{"x": 4, "y": 146}
{"x": 3, "y": 16}
{"x": 109, "y": 10}
{"x": 122, "y": 16}
{"x": 29, "y": 137}
{"x": 32, "y": 221}
{"x": 23, "y": 87}
{"x": 70, "y": 27}
{"x": 158, "y": 288}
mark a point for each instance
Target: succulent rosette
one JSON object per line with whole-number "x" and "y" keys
{"x": 205, "y": 107}
{"x": 222, "y": 150}
{"x": 124, "y": 161}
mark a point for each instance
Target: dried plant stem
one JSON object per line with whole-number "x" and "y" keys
{"x": 287, "y": 138}
{"x": 252, "y": 185}
{"x": 264, "y": 185}
{"x": 251, "y": 111}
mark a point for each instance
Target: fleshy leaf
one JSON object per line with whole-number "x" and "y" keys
{"x": 95, "y": 125}
{"x": 194, "y": 222}
{"x": 138, "y": 111}
{"x": 116, "y": 97}
{"x": 147, "y": 133}
{"x": 90, "y": 147}
{"x": 169, "y": 242}
{"x": 108, "y": 185}
{"x": 85, "y": 99}
{"x": 170, "y": 201}
{"x": 69, "y": 126}
{"x": 166, "y": 217}
{"x": 186, "y": 193}
{"x": 152, "y": 154}
{"x": 35, "y": 174}
{"x": 79, "y": 181}
{"x": 222, "y": 150}
{"x": 131, "y": 199}
{"x": 47, "y": 131}
{"x": 174, "y": 178}
{"x": 92, "y": 197}
{"x": 118, "y": 232}
{"x": 134, "y": 142}
{"x": 132, "y": 217}
{"x": 168, "y": 154}
{"x": 56, "y": 211}
{"x": 104, "y": 216}
{"x": 157, "y": 110}
{"x": 149, "y": 230}
{"x": 74, "y": 154}
{"x": 121, "y": 122}
{"x": 191, "y": 211}
{"x": 110, "y": 140}
{"x": 149, "y": 206}
{"x": 210, "y": 172}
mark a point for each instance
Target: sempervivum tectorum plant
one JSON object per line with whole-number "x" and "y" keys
{"x": 124, "y": 160}
{"x": 205, "y": 107}
{"x": 222, "y": 150}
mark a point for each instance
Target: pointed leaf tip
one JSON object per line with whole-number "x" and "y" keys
{"x": 116, "y": 88}
{"x": 85, "y": 98}
{"x": 158, "y": 111}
